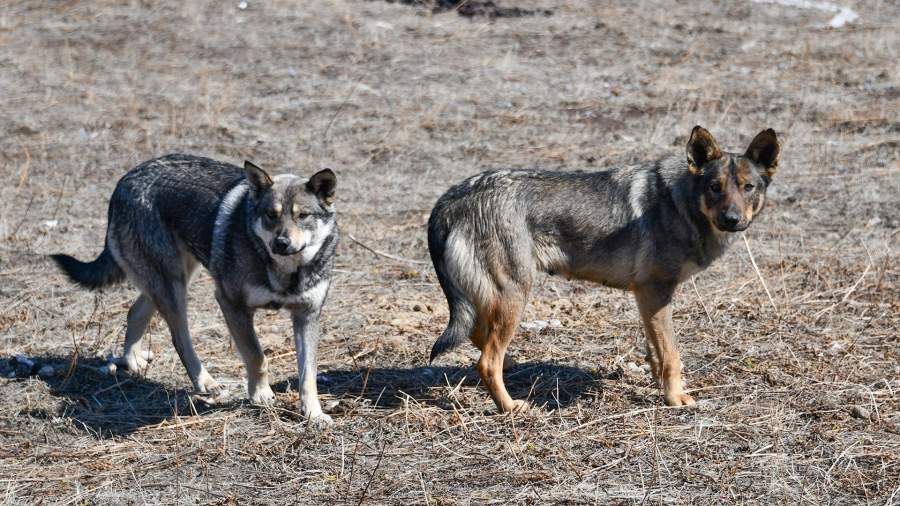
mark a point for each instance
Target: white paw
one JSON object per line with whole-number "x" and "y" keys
{"x": 262, "y": 395}
{"x": 320, "y": 420}
{"x": 136, "y": 361}
{"x": 205, "y": 384}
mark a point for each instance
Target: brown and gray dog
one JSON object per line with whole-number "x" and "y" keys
{"x": 644, "y": 228}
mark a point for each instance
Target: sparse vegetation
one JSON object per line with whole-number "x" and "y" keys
{"x": 799, "y": 393}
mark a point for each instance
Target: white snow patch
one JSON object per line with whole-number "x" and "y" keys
{"x": 843, "y": 15}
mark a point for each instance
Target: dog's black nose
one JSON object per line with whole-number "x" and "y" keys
{"x": 281, "y": 244}
{"x": 730, "y": 219}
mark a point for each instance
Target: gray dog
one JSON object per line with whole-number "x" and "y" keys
{"x": 643, "y": 228}
{"x": 267, "y": 242}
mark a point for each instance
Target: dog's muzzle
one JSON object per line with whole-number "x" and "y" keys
{"x": 731, "y": 221}
{"x": 282, "y": 246}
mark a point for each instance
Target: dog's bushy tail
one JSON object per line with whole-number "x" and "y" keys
{"x": 462, "y": 312}
{"x": 103, "y": 271}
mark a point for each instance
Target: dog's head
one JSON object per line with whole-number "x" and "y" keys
{"x": 292, "y": 216}
{"x": 732, "y": 186}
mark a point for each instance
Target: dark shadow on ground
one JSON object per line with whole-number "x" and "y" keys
{"x": 543, "y": 384}
{"x": 474, "y": 8}
{"x": 105, "y": 405}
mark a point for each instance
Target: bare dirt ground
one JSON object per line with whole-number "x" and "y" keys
{"x": 799, "y": 393}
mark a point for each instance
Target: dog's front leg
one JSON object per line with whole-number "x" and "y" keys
{"x": 655, "y": 305}
{"x": 240, "y": 323}
{"x": 306, "y": 337}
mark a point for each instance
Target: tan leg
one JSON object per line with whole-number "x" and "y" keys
{"x": 492, "y": 338}
{"x": 654, "y": 304}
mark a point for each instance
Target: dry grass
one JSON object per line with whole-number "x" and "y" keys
{"x": 799, "y": 396}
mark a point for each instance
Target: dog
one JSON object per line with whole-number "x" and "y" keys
{"x": 643, "y": 228}
{"x": 268, "y": 242}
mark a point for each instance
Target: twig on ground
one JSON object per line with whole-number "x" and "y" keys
{"x": 385, "y": 255}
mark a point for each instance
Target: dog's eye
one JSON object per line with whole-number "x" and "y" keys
{"x": 272, "y": 214}
{"x": 303, "y": 216}
{"x": 749, "y": 187}
{"x": 715, "y": 187}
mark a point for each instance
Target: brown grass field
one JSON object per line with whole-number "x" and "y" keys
{"x": 799, "y": 388}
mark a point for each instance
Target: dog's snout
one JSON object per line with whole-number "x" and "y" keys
{"x": 731, "y": 218}
{"x": 281, "y": 244}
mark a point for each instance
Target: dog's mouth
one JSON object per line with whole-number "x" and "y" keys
{"x": 726, "y": 226}
{"x": 285, "y": 250}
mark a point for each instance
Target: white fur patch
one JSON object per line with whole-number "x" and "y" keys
{"x": 466, "y": 270}
{"x": 223, "y": 219}
{"x": 315, "y": 240}
{"x": 636, "y": 193}
{"x": 260, "y": 296}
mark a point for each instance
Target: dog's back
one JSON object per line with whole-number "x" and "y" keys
{"x": 177, "y": 194}
{"x": 157, "y": 208}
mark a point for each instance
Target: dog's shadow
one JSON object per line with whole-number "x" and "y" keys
{"x": 105, "y": 405}
{"x": 110, "y": 405}
{"x": 543, "y": 384}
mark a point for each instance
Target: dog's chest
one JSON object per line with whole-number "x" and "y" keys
{"x": 258, "y": 296}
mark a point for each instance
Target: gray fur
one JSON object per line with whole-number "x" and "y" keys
{"x": 171, "y": 214}
{"x": 621, "y": 227}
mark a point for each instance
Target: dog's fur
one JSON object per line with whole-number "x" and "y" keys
{"x": 267, "y": 242}
{"x": 643, "y": 228}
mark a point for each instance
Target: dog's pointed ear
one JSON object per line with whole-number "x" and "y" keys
{"x": 258, "y": 178}
{"x": 701, "y": 148}
{"x": 322, "y": 184}
{"x": 764, "y": 151}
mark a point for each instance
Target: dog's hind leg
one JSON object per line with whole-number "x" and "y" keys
{"x": 493, "y": 333}
{"x": 654, "y": 304}
{"x": 139, "y": 316}
{"x": 239, "y": 319}
{"x": 166, "y": 283}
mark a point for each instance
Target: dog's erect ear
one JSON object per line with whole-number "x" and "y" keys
{"x": 322, "y": 184}
{"x": 258, "y": 178}
{"x": 701, "y": 148}
{"x": 764, "y": 151}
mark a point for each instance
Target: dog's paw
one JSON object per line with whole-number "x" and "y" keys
{"x": 680, "y": 399}
{"x": 320, "y": 420}
{"x": 136, "y": 361}
{"x": 263, "y": 395}
{"x": 517, "y": 406}
{"x": 205, "y": 384}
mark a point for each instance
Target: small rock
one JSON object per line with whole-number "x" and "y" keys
{"x": 243, "y": 5}
{"x": 48, "y": 371}
{"x": 632, "y": 367}
{"x": 860, "y": 412}
{"x": 537, "y": 325}
{"x": 417, "y": 308}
